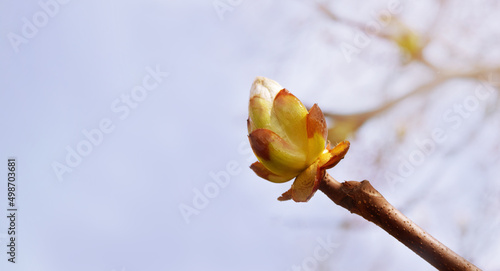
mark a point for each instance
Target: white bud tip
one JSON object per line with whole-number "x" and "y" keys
{"x": 265, "y": 88}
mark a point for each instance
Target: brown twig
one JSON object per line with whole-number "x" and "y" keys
{"x": 364, "y": 200}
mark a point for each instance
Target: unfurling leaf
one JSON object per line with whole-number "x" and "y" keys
{"x": 288, "y": 140}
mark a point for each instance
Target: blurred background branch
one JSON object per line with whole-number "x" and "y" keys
{"x": 389, "y": 81}
{"x": 345, "y": 125}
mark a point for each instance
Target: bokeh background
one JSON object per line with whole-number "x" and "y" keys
{"x": 161, "y": 88}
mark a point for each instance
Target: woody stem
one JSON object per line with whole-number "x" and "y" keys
{"x": 364, "y": 200}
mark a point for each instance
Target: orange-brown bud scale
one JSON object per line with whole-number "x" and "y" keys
{"x": 288, "y": 140}
{"x": 316, "y": 122}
